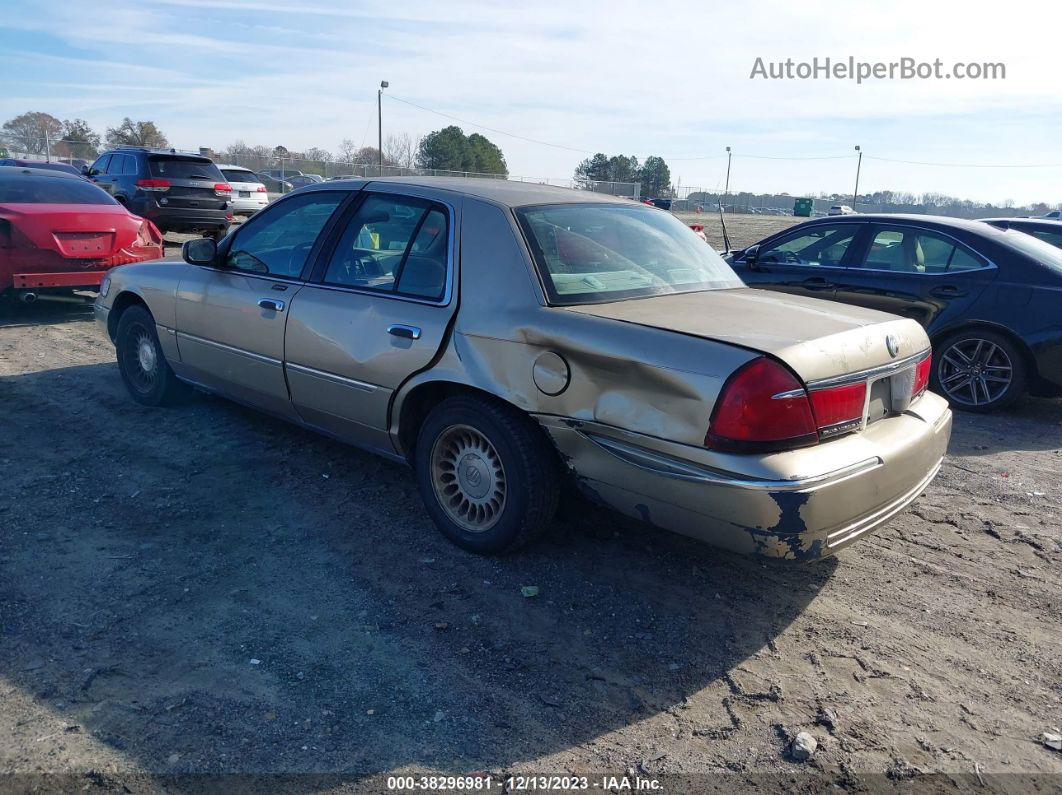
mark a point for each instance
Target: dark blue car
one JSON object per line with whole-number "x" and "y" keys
{"x": 990, "y": 299}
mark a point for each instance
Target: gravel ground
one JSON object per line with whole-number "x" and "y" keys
{"x": 203, "y": 589}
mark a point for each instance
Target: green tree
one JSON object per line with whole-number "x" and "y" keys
{"x": 592, "y": 169}
{"x": 449, "y": 149}
{"x": 622, "y": 169}
{"x": 136, "y": 133}
{"x": 79, "y": 140}
{"x": 655, "y": 177}
{"x": 31, "y": 131}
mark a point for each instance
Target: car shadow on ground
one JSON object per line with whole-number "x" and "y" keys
{"x": 203, "y": 588}
{"x": 15, "y": 314}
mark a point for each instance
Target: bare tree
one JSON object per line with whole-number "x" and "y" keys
{"x": 401, "y": 150}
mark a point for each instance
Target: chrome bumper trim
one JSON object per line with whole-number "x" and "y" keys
{"x": 668, "y": 466}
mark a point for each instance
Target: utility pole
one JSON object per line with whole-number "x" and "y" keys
{"x": 379, "y": 120}
{"x": 859, "y": 165}
{"x": 726, "y": 190}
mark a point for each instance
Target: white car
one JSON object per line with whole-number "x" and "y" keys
{"x": 841, "y": 209}
{"x": 248, "y": 193}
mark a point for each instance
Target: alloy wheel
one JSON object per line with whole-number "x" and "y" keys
{"x": 975, "y": 372}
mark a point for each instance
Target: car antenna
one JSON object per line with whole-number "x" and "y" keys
{"x": 722, "y": 223}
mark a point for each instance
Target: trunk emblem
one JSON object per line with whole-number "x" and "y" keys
{"x": 892, "y": 344}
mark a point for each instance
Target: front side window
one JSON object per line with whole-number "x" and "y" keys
{"x": 278, "y": 242}
{"x": 905, "y": 250}
{"x": 393, "y": 244}
{"x": 607, "y": 252}
{"x": 101, "y": 164}
{"x": 819, "y": 245}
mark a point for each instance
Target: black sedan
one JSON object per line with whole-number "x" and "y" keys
{"x": 990, "y": 298}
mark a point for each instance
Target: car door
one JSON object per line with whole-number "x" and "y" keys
{"x": 377, "y": 310}
{"x": 804, "y": 261}
{"x": 915, "y": 272}
{"x": 230, "y": 318}
{"x": 101, "y": 177}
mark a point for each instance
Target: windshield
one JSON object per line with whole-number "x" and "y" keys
{"x": 25, "y": 189}
{"x": 607, "y": 252}
{"x": 184, "y": 168}
{"x": 1039, "y": 250}
{"x": 232, "y": 175}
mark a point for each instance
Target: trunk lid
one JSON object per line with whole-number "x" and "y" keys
{"x": 817, "y": 339}
{"x": 76, "y": 231}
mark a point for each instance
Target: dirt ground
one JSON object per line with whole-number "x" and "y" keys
{"x": 205, "y": 590}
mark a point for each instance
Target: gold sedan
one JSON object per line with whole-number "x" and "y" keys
{"x": 501, "y": 337}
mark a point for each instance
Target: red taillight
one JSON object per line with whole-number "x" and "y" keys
{"x": 223, "y": 189}
{"x": 153, "y": 184}
{"x": 148, "y": 235}
{"x": 261, "y": 189}
{"x": 762, "y": 407}
{"x": 228, "y": 216}
{"x": 921, "y": 379}
{"x": 839, "y": 409}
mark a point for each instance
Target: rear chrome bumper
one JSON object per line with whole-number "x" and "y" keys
{"x": 801, "y": 504}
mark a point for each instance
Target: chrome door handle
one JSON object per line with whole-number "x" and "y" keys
{"x": 271, "y": 303}
{"x": 400, "y": 330}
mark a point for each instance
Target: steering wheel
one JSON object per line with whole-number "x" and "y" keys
{"x": 297, "y": 258}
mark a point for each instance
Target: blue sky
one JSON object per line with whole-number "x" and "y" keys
{"x": 641, "y": 78}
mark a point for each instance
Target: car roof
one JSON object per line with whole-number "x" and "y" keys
{"x": 10, "y": 171}
{"x": 505, "y": 192}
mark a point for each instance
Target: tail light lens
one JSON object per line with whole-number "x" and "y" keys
{"x": 921, "y": 379}
{"x": 154, "y": 185}
{"x": 762, "y": 407}
{"x": 223, "y": 189}
{"x": 148, "y": 235}
{"x": 228, "y": 216}
{"x": 261, "y": 189}
{"x": 840, "y": 409}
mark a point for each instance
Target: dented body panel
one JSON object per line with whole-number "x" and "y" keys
{"x": 623, "y": 389}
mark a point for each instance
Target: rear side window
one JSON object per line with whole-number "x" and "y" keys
{"x": 906, "y": 250}
{"x": 393, "y": 244}
{"x": 239, "y": 176}
{"x": 51, "y": 190}
{"x": 1054, "y": 238}
{"x": 184, "y": 168}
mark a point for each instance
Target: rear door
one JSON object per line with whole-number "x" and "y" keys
{"x": 230, "y": 319}
{"x": 805, "y": 261}
{"x": 192, "y": 181}
{"x": 377, "y": 310}
{"x": 915, "y": 272}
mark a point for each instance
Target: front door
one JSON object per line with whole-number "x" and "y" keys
{"x": 230, "y": 319}
{"x": 377, "y": 310}
{"x": 803, "y": 262}
{"x": 915, "y": 272}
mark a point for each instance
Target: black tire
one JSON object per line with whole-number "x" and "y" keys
{"x": 969, "y": 368}
{"x": 153, "y": 385}
{"x": 529, "y": 476}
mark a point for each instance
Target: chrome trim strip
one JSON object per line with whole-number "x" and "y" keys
{"x": 792, "y": 393}
{"x": 869, "y": 374}
{"x": 860, "y": 526}
{"x": 336, "y": 379}
{"x": 228, "y": 348}
{"x": 668, "y": 466}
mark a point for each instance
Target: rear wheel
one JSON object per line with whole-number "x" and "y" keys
{"x": 979, "y": 370}
{"x": 487, "y": 474}
{"x": 141, "y": 362}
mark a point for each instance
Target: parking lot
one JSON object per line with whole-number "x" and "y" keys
{"x": 204, "y": 588}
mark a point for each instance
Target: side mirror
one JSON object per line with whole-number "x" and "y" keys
{"x": 750, "y": 254}
{"x": 200, "y": 251}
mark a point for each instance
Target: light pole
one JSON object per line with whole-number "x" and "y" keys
{"x": 859, "y": 165}
{"x": 726, "y": 190}
{"x": 379, "y": 120}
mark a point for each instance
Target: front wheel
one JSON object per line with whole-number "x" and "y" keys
{"x": 487, "y": 474}
{"x": 978, "y": 371}
{"x": 141, "y": 362}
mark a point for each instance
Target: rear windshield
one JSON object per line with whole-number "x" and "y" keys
{"x": 240, "y": 176}
{"x": 179, "y": 168}
{"x": 1039, "y": 250}
{"x": 603, "y": 252}
{"x": 51, "y": 190}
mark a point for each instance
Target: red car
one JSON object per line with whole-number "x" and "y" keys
{"x": 59, "y": 232}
